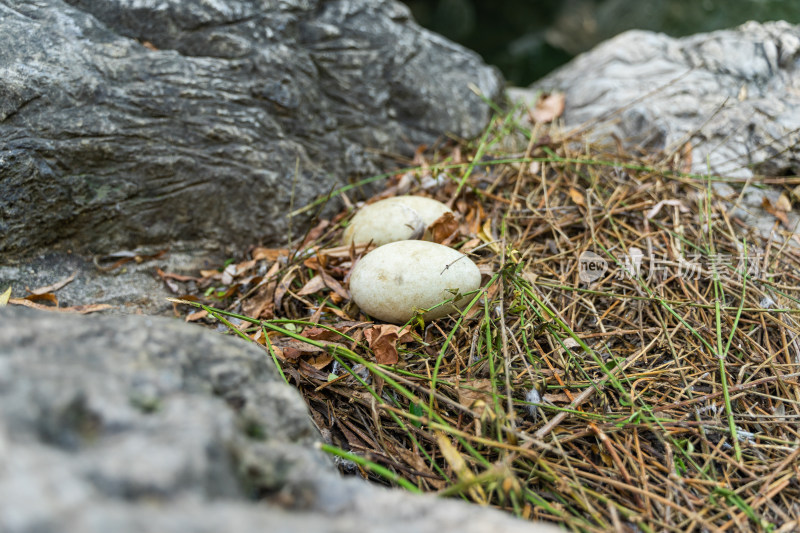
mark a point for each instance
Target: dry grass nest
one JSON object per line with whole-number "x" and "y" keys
{"x": 630, "y": 363}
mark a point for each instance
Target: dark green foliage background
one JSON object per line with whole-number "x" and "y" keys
{"x": 529, "y": 38}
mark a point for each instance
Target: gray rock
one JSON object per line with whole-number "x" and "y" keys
{"x": 733, "y": 95}
{"x": 151, "y": 122}
{"x": 135, "y": 424}
{"x": 131, "y": 288}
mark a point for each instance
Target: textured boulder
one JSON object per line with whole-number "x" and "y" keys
{"x": 153, "y": 122}
{"x": 135, "y": 424}
{"x": 732, "y": 94}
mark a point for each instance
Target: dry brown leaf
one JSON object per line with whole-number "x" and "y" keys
{"x": 774, "y": 211}
{"x": 260, "y": 304}
{"x": 197, "y": 315}
{"x": 577, "y": 196}
{"x": 557, "y": 397}
{"x": 48, "y": 297}
{"x": 171, "y": 285}
{"x": 310, "y": 371}
{"x": 55, "y": 286}
{"x": 315, "y": 232}
{"x": 244, "y": 266}
{"x": 443, "y": 227}
{"x": 321, "y": 361}
{"x": 470, "y": 391}
{"x": 125, "y": 258}
{"x": 293, "y": 348}
{"x": 177, "y": 277}
{"x": 283, "y": 286}
{"x": 321, "y": 334}
{"x": 783, "y": 203}
{"x": 270, "y": 254}
{"x": 383, "y": 339}
{"x": 79, "y": 309}
{"x": 314, "y": 284}
{"x": 334, "y": 285}
{"x": 686, "y": 157}
{"x": 549, "y": 107}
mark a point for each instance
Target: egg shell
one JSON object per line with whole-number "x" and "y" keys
{"x": 390, "y": 282}
{"x": 393, "y": 219}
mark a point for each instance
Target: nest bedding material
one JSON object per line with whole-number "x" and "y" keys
{"x": 630, "y": 363}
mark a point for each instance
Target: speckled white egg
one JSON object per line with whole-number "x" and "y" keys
{"x": 393, "y": 219}
{"x": 391, "y": 282}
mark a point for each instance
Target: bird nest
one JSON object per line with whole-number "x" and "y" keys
{"x": 630, "y": 362}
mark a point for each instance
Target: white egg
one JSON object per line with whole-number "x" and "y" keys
{"x": 394, "y": 219}
{"x": 428, "y": 209}
{"x": 395, "y": 280}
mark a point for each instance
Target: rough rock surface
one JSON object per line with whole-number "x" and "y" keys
{"x": 734, "y": 95}
{"x": 132, "y": 424}
{"x": 150, "y": 122}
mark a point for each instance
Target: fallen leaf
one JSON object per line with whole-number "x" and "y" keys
{"x": 292, "y": 348}
{"x": 125, "y": 258}
{"x": 686, "y": 156}
{"x": 210, "y": 274}
{"x": 460, "y": 467}
{"x": 549, "y": 107}
{"x": 177, "y": 277}
{"x": 577, "y": 196}
{"x": 443, "y": 227}
{"x": 48, "y": 297}
{"x": 79, "y": 309}
{"x": 334, "y": 285}
{"x": 383, "y": 339}
{"x": 4, "y": 297}
{"x": 557, "y": 397}
{"x": 310, "y": 371}
{"x": 321, "y": 334}
{"x": 171, "y": 285}
{"x": 55, "y": 286}
{"x": 315, "y": 232}
{"x": 270, "y": 254}
{"x": 261, "y": 304}
{"x": 321, "y": 361}
{"x": 283, "y": 286}
{"x": 197, "y": 315}
{"x": 475, "y": 394}
{"x": 774, "y": 211}
{"x": 314, "y": 284}
{"x": 783, "y": 203}
{"x": 470, "y": 391}
{"x": 487, "y": 236}
{"x": 244, "y": 266}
